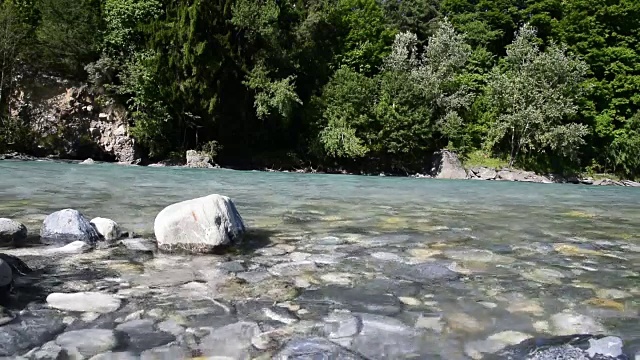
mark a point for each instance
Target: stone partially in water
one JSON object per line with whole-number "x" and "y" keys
{"x": 6, "y": 276}
{"x": 573, "y": 347}
{"x": 108, "y": 228}
{"x": 87, "y": 342}
{"x": 12, "y": 232}
{"x": 76, "y": 247}
{"x": 233, "y": 341}
{"x": 568, "y": 323}
{"x": 356, "y": 299}
{"x": 199, "y": 225}
{"x": 424, "y": 272}
{"x": 383, "y": 337}
{"x": 544, "y": 276}
{"x": 84, "y": 301}
{"x": 29, "y": 331}
{"x": 66, "y": 226}
{"x": 315, "y": 348}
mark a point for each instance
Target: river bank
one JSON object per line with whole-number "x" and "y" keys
{"x": 451, "y": 168}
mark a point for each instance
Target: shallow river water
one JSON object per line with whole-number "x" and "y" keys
{"x": 387, "y": 267}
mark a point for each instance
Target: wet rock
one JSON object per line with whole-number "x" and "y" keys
{"x": 337, "y": 278}
{"x": 141, "y": 335}
{"x": 254, "y": 276}
{"x": 269, "y": 340}
{"x": 573, "y": 347}
{"x": 386, "y": 256}
{"x": 76, "y": 247}
{"x": 383, "y": 337}
{"x": 430, "y": 322}
{"x": 280, "y": 314}
{"x": 233, "y": 341}
{"x": 165, "y": 352}
{"x": 544, "y": 276}
{"x": 87, "y": 342}
{"x": 142, "y": 245}
{"x": 494, "y": 343}
{"x": 12, "y": 232}
{"x": 521, "y": 175}
{"x": 29, "y": 331}
{"x": 568, "y": 323}
{"x": 355, "y": 299}
{"x": 464, "y": 323}
{"x": 116, "y": 356}
{"x": 484, "y": 173}
{"x": 424, "y": 272}
{"x": 199, "y": 225}
{"x": 6, "y": 276}
{"x": 84, "y": 301}
{"x": 293, "y": 268}
{"x": 88, "y": 161}
{"x": 107, "y": 228}
{"x": 49, "y": 351}
{"x": 341, "y": 325}
{"x": 171, "y": 327}
{"x": 315, "y": 348}
{"x": 66, "y": 226}
{"x": 232, "y": 266}
{"x": 476, "y": 255}
{"x": 448, "y": 166}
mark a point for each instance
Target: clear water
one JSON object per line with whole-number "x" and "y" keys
{"x": 556, "y": 246}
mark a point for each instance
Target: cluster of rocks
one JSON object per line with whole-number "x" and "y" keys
{"x": 447, "y": 165}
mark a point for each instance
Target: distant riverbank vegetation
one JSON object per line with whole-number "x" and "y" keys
{"x": 546, "y": 85}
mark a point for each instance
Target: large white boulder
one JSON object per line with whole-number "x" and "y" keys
{"x": 108, "y": 228}
{"x": 448, "y": 166}
{"x": 198, "y": 225}
{"x": 66, "y": 226}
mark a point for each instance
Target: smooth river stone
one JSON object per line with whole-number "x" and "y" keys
{"x": 315, "y": 348}
{"x": 84, "y": 302}
{"x": 12, "y": 232}
{"x": 569, "y": 323}
{"x": 108, "y": 228}
{"x": 88, "y": 342}
{"x": 232, "y": 341}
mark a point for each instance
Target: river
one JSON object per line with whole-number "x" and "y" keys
{"x": 528, "y": 259}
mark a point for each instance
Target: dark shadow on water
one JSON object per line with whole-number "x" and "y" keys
{"x": 251, "y": 241}
{"x": 47, "y": 277}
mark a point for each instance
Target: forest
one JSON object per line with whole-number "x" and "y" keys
{"x": 545, "y": 85}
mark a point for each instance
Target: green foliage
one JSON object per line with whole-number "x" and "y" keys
{"x": 479, "y": 158}
{"x": 531, "y": 94}
{"x": 272, "y": 94}
{"x": 68, "y": 34}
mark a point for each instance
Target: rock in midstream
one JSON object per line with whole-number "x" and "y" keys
{"x": 198, "y": 225}
{"x": 66, "y": 226}
{"x": 107, "y": 228}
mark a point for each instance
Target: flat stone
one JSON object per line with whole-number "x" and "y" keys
{"x": 165, "y": 352}
{"x": 254, "y": 276}
{"x": 355, "y": 299}
{"x": 383, "y": 337}
{"x": 116, "y": 356}
{"x": 315, "y": 348}
{"x": 88, "y": 342}
{"x": 569, "y": 323}
{"x": 337, "y": 278}
{"x": 84, "y": 301}
{"x": 280, "y": 314}
{"x": 76, "y": 247}
{"x": 232, "y": 340}
{"x": 431, "y": 323}
{"x": 424, "y": 272}
{"x": 172, "y": 327}
{"x": 341, "y": 325}
{"x": 293, "y": 268}
{"x": 48, "y": 351}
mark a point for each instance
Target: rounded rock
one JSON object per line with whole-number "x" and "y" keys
{"x": 107, "y": 228}
{"x": 198, "y": 225}
{"x": 66, "y": 226}
{"x": 12, "y": 232}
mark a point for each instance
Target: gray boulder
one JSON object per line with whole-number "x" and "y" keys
{"x": 484, "y": 173}
{"x": 522, "y": 176}
{"x": 198, "y": 159}
{"x": 198, "y": 225}
{"x": 66, "y": 226}
{"x": 12, "y": 232}
{"x": 447, "y": 165}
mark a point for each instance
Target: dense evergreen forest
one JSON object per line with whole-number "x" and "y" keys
{"x": 547, "y": 85}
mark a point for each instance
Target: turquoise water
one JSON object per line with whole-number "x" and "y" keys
{"x": 528, "y": 251}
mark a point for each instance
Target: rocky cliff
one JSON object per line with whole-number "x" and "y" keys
{"x": 68, "y": 120}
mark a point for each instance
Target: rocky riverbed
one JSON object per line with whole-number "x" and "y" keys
{"x": 352, "y": 275}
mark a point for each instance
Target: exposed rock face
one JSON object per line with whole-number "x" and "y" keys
{"x": 483, "y": 173}
{"x": 446, "y": 165}
{"x": 66, "y": 226}
{"x": 521, "y": 175}
{"x": 12, "y": 232}
{"x": 68, "y": 122}
{"x": 198, "y": 159}
{"x": 198, "y": 225}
